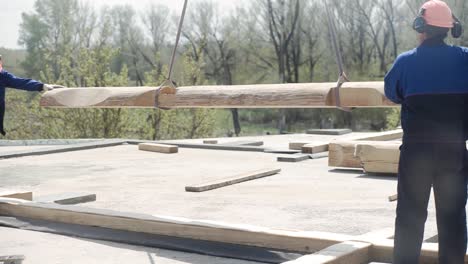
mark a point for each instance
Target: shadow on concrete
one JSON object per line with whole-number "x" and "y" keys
{"x": 377, "y": 176}
{"x": 158, "y": 245}
{"x": 346, "y": 171}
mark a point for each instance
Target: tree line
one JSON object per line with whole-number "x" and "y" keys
{"x": 72, "y": 43}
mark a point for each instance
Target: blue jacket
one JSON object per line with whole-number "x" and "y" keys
{"x": 431, "y": 84}
{"x": 9, "y": 80}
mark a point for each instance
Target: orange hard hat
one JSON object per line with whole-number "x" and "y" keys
{"x": 437, "y": 13}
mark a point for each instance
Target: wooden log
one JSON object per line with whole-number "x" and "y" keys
{"x": 379, "y": 157}
{"x": 232, "y": 180}
{"x": 28, "y": 196}
{"x": 296, "y": 241}
{"x": 302, "y": 95}
{"x": 161, "y": 148}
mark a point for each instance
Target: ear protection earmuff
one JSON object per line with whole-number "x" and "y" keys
{"x": 420, "y": 24}
{"x": 457, "y": 30}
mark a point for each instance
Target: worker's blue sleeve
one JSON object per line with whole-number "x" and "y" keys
{"x": 11, "y": 81}
{"x": 393, "y": 82}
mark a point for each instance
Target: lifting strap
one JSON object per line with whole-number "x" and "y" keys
{"x": 342, "y": 78}
{"x": 169, "y": 83}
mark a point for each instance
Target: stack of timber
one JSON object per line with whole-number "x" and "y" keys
{"x": 373, "y": 156}
{"x": 343, "y": 153}
{"x": 379, "y": 158}
{"x": 302, "y": 95}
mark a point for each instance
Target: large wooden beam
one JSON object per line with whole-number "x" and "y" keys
{"x": 379, "y": 157}
{"x": 296, "y": 241}
{"x": 343, "y": 153}
{"x": 302, "y": 95}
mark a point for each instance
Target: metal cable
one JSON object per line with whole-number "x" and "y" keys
{"x": 179, "y": 31}
{"x": 339, "y": 60}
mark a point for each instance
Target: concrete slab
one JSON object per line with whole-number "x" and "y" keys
{"x": 306, "y": 196}
{"x": 55, "y": 249}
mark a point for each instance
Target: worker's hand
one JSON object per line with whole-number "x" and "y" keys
{"x": 50, "y": 87}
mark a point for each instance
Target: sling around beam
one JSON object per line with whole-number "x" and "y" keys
{"x": 298, "y": 95}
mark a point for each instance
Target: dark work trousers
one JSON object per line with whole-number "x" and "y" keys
{"x": 442, "y": 166}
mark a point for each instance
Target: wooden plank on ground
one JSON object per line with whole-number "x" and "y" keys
{"x": 67, "y": 198}
{"x": 203, "y": 146}
{"x": 23, "y": 195}
{"x": 294, "y": 158}
{"x": 384, "y": 136}
{"x": 305, "y": 242}
{"x": 379, "y": 157}
{"x": 232, "y": 180}
{"x": 315, "y": 148}
{"x": 393, "y": 198}
{"x": 298, "y": 95}
{"x": 244, "y": 143}
{"x": 333, "y": 132}
{"x": 349, "y": 252}
{"x": 382, "y": 251}
{"x": 160, "y": 148}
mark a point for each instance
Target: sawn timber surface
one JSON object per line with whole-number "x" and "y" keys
{"x": 299, "y": 95}
{"x": 297, "y": 241}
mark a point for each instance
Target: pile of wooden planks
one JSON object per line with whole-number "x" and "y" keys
{"x": 298, "y": 95}
{"x": 372, "y": 156}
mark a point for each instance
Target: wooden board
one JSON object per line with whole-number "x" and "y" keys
{"x": 302, "y": 95}
{"x": 333, "y": 132}
{"x": 296, "y": 241}
{"x": 210, "y": 141}
{"x": 67, "y": 198}
{"x": 294, "y": 158}
{"x": 202, "y": 146}
{"x": 379, "y": 157}
{"x": 382, "y": 251}
{"x": 384, "y": 136}
{"x": 393, "y": 198}
{"x": 349, "y": 252}
{"x": 255, "y": 143}
{"x": 28, "y": 196}
{"x": 315, "y": 148}
{"x": 232, "y": 180}
{"x": 160, "y": 148}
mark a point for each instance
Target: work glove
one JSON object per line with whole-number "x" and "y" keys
{"x": 50, "y": 87}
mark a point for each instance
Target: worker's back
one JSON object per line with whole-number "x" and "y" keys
{"x": 432, "y": 83}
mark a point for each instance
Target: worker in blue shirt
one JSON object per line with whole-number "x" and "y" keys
{"x": 431, "y": 84}
{"x": 9, "y": 80}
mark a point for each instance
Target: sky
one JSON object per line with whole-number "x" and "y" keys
{"x": 11, "y": 10}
